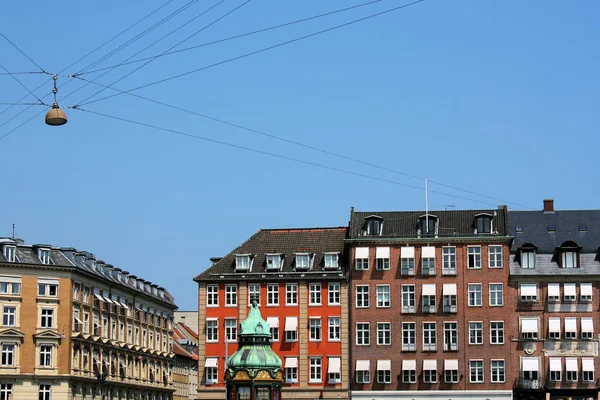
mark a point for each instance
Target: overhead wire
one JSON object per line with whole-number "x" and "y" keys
{"x": 275, "y": 155}
{"x": 22, "y": 85}
{"x": 22, "y": 52}
{"x": 23, "y": 73}
{"x": 177, "y": 44}
{"x": 270, "y": 28}
{"x": 253, "y": 52}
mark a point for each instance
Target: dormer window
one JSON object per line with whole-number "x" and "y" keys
{"x": 568, "y": 252}
{"x": 273, "y": 261}
{"x": 44, "y": 256}
{"x": 242, "y": 262}
{"x": 483, "y": 223}
{"x": 427, "y": 225}
{"x": 302, "y": 261}
{"x": 10, "y": 253}
{"x": 374, "y": 224}
{"x": 527, "y": 256}
{"x": 331, "y": 260}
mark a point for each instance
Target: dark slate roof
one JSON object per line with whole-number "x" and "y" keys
{"x": 546, "y": 264}
{"x": 403, "y": 224}
{"x": 68, "y": 257}
{"x": 287, "y": 242}
{"x": 566, "y": 222}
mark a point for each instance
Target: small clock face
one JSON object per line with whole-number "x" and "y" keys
{"x": 259, "y": 328}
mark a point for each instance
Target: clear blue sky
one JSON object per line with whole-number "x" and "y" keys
{"x": 497, "y": 97}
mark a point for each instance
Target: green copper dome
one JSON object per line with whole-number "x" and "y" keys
{"x": 254, "y": 353}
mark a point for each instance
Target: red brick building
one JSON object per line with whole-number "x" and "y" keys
{"x": 554, "y": 273}
{"x": 300, "y": 276}
{"x": 430, "y": 315}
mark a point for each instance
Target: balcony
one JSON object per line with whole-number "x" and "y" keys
{"x": 570, "y": 384}
{"x": 530, "y": 384}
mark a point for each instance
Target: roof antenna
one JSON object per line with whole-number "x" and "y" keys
{"x": 426, "y": 208}
{"x": 13, "y": 236}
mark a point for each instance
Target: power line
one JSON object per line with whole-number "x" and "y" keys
{"x": 20, "y": 125}
{"x": 257, "y": 51}
{"x": 236, "y": 36}
{"x": 177, "y": 44}
{"x": 130, "y": 41}
{"x": 23, "y": 73}
{"x": 314, "y": 148}
{"x": 21, "y": 83}
{"x": 262, "y": 152}
{"x": 22, "y": 52}
{"x": 23, "y": 104}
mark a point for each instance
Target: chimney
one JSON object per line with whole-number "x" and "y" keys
{"x": 548, "y": 206}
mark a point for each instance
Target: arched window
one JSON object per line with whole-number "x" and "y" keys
{"x": 569, "y": 254}
{"x": 527, "y": 252}
{"x": 483, "y": 223}
{"x": 373, "y": 225}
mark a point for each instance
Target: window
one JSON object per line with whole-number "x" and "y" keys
{"x": 10, "y": 253}
{"x": 10, "y": 285}
{"x": 331, "y": 260}
{"x": 585, "y": 292}
{"x": 47, "y": 288}
{"x": 315, "y": 369}
{"x": 529, "y": 328}
{"x": 496, "y": 295}
{"x": 476, "y": 371}
{"x": 528, "y": 292}
{"x": 450, "y": 371}
{"x": 6, "y": 391}
{"x": 362, "y": 372}
{"x": 46, "y": 355}
{"x": 212, "y": 371}
{"x": 427, "y": 226}
{"x": 273, "y": 261}
{"x": 383, "y": 295}
{"x": 428, "y": 261}
{"x": 242, "y": 262}
{"x": 230, "y": 295}
{"x": 449, "y": 298}
{"x": 333, "y": 294}
{"x": 475, "y": 332}
{"x": 212, "y": 295}
{"x": 212, "y": 330}
{"x": 44, "y": 256}
{"x": 384, "y": 375}
{"x": 253, "y": 293}
{"x": 384, "y": 335}
{"x": 587, "y": 328}
{"x": 569, "y": 260}
{"x": 409, "y": 371}
{"x": 334, "y": 328}
{"x": 474, "y": 260}
{"x": 361, "y": 258}
{"x": 9, "y": 316}
{"x": 429, "y": 336}
{"x": 362, "y": 296}
{"x": 47, "y": 318}
{"x": 302, "y": 261}
{"x": 291, "y": 329}
{"x": 382, "y": 258}
{"x": 408, "y": 336}
{"x": 374, "y": 226}
{"x": 429, "y": 302}
{"x": 363, "y": 334}
{"x": 449, "y": 260}
{"x": 407, "y": 261}
{"x": 570, "y": 292}
{"x": 272, "y": 294}
{"x": 231, "y": 329}
{"x": 314, "y": 293}
{"x": 587, "y": 366}
{"x": 554, "y": 328}
{"x": 474, "y": 294}
{"x": 570, "y": 328}
{"x": 498, "y": 371}
{"x": 495, "y": 256}
{"x": 429, "y": 375}
{"x": 483, "y": 224}
{"x": 571, "y": 364}
{"x": 554, "y": 292}
{"x": 450, "y": 336}
{"x": 334, "y": 374}
{"x": 408, "y": 299}
{"x": 291, "y": 294}
{"x": 497, "y": 332}
{"x": 45, "y": 391}
{"x": 8, "y": 354}
{"x": 555, "y": 369}
{"x": 291, "y": 370}
{"x": 315, "y": 329}
{"x": 527, "y": 258}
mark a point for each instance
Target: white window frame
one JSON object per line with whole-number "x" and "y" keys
{"x": 314, "y": 294}
{"x": 272, "y": 294}
{"x": 473, "y": 257}
{"x": 45, "y": 255}
{"x": 334, "y": 328}
{"x": 212, "y": 331}
{"x": 496, "y": 296}
{"x": 474, "y": 289}
{"x": 409, "y": 299}
{"x": 383, "y": 296}
{"x": 315, "y": 328}
{"x": 475, "y": 332}
{"x": 230, "y": 295}
{"x": 291, "y": 294}
{"x": 303, "y": 261}
{"x": 9, "y": 354}
{"x": 495, "y": 257}
{"x": 334, "y": 294}
{"x": 384, "y": 333}
{"x": 47, "y": 316}
{"x": 499, "y": 369}
{"x": 315, "y": 370}
{"x": 362, "y": 295}
{"x": 242, "y": 262}
{"x": 479, "y": 371}
{"x": 429, "y": 336}
{"x": 409, "y": 336}
{"x": 231, "y": 330}
{"x": 10, "y": 253}
{"x": 449, "y": 260}
{"x": 212, "y": 295}
{"x": 528, "y": 298}
{"x": 273, "y": 262}
{"x": 363, "y": 333}
{"x": 496, "y": 332}
{"x": 46, "y": 358}
{"x": 44, "y": 391}
{"x": 254, "y": 289}
{"x": 331, "y": 260}
{"x": 9, "y": 315}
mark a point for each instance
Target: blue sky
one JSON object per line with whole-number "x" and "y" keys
{"x": 495, "y": 97}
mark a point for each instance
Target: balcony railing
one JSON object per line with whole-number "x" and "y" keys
{"x": 564, "y": 384}
{"x": 530, "y": 384}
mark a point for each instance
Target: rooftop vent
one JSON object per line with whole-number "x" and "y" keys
{"x": 519, "y": 228}
{"x": 582, "y": 228}
{"x": 552, "y": 228}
